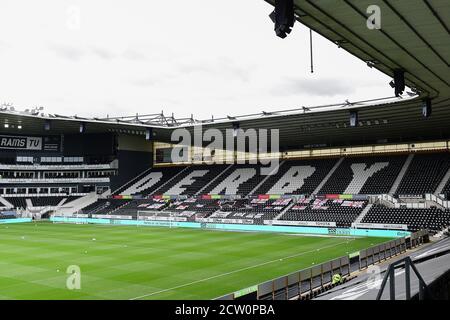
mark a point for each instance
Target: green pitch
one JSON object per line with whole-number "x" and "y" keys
{"x": 119, "y": 262}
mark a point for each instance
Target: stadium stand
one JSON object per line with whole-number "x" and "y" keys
{"x": 297, "y": 177}
{"x": 239, "y": 180}
{"x": 46, "y": 201}
{"x": 255, "y": 210}
{"x": 424, "y": 174}
{"x": 17, "y": 202}
{"x": 192, "y": 180}
{"x": 105, "y": 206}
{"x": 131, "y": 208}
{"x": 202, "y": 206}
{"x": 446, "y": 189}
{"x": 342, "y": 212}
{"x": 186, "y": 188}
{"x": 416, "y": 219}
{"x": 150, "y": 181}
{"x": 364, "y": 175}
{"x": 372, "y": 162}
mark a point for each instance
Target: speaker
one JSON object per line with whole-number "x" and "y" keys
{"x": 236, "y": 127}
{"x": 353, "y": 118}
{"x": 426, "y": 107}
{"x": 148, "y": 134}
{"x": 284, "y": 17}
{"x": 399, "y": 81}
{"x": 47, "y": 125}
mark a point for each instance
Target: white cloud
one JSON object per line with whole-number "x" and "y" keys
{"x": 203, "y": 57}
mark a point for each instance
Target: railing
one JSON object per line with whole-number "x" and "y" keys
{"x": 390, "y": 276}
{"x": 54, "y": 180}
{"x": 438, "y": 200}
{"x": 381, "y": 252}
{"x": 40, "y": 167}
{"x": 307, "y": 283}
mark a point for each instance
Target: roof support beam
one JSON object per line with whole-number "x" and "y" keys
{"x": 437, "y": 16}
{"x": 398, "y": 44}
{"x": 416, "y": 32}
{"x": 393, "y": 63}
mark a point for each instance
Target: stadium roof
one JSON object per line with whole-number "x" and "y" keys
{"x": 414, "y": 36}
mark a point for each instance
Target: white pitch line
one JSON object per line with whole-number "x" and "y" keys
{"x": 236, "y": 271}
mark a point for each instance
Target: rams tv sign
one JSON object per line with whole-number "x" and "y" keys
{"x": 22, "y": 143}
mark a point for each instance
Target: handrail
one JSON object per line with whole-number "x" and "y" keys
{"x": 424, "y": 291}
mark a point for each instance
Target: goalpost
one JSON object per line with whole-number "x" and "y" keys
{"x": 171, "y": 223}
{"x": 78, "y": 220}
{"x": 77, "y": 215}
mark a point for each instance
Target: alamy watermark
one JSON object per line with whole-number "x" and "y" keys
{"x": 73, "y": 21}
{"x": 252, "y": 142}
{"x": 374, "y": 19}
{"x": 374, "y": 280}
{"x": 73, "y": 281}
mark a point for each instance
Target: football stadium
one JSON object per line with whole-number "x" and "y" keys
{"x": 343, "y": 201}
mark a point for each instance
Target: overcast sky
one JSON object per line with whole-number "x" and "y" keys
{"x": 142, "y": 56}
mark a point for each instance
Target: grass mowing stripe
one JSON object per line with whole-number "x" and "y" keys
{"x": 152, "y": 262}
{"x": 236, "y": 271}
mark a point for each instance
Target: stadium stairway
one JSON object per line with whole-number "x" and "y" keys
{"x": 443, "y": 183}
{"x": 293, "y": 203}
{"x": 321, "y": 184}
{"x": 387, "y": 200}
{"x": 224, "y": 172}
{"x": 266, "y": 177}
{"x": 63, "y": 200}
{"x": 132, "y": 181}
{"x": 401, "y": 174}
{"x": 118, "y": 208}
{"x": 424, "y": 174}
{"x": 76, "y": 205}
{"x": 173, "y": 178}
{"x": 6, "y": 203}
{"x": 363, "y": 213}
{"x": 29, "y": 203}
{"x": 147, "y": 181}
{"x": 240, "y": 181}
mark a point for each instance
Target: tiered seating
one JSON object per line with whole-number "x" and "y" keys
{"x": 297, "y": 177}
{"x": 440, "y": 220}
{"x": 105, "y": 206}
{"x": 432, "y": 218}
{"x": 71, "y": 198}
{"x": 133, "y": 181}
{"x": 45, "y": 201}
{"x": 17, "y": 202}
{"x": 257, "y": 210}
{"x": 132, "y": 207}
{"x": 203, "y": 207}
{"x": 424, "y": 174}
{"x": 150, "y": 181}
{"x": 192, "y": 180}
{"x": 446, "y": 190}
{"x": 356, "y": 175}
{"x": 238, "y": 180}
{"x": 343, "y": 212}
{"x": 364, "y": 175}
